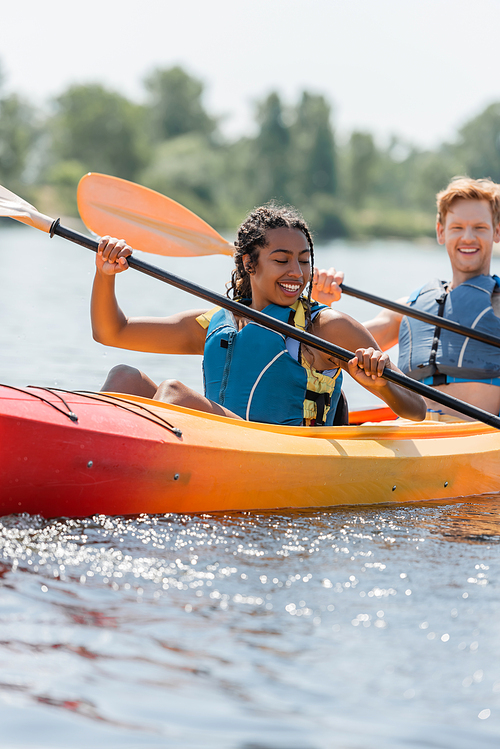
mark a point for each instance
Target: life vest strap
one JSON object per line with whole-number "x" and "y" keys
{"x": 437, "y": 333}
{"x": 439, "y": 379}
{"x": 323, "y": 401}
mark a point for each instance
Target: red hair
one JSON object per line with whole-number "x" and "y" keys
{"x": 469, "y": 189}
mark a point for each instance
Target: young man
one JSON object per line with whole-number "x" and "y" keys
{"x": 468, "y": 225}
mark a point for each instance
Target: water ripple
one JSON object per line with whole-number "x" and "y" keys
{"x": 268, "y": 630}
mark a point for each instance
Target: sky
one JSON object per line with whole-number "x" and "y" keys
{"x": 416, "y": 69}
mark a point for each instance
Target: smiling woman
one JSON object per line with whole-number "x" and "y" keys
{"x": 251, "y": 372}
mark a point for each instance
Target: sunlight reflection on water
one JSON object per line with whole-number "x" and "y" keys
{"x": 378, "y": 627}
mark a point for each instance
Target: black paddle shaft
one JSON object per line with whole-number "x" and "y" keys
{"x": 439, "y": 322}
{"x": 281, "y": 327}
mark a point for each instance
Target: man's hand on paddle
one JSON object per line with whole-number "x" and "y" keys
{"x": 326, "y": 285}
{"x": 112, "y": 255}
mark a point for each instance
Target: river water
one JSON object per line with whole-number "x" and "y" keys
{"x": 372, "y": 628}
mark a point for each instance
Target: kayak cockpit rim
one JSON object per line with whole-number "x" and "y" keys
{"x": 390, "y": 430}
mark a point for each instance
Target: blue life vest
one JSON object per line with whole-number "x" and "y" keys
{"x": 438, "y": 356}
{"x": 252, "y": 373}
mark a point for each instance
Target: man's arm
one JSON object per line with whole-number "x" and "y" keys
{"x": 385, "y": 326}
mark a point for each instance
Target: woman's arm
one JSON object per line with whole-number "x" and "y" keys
{"x": 177, "y": 334}
{"x": 368, "y": 363}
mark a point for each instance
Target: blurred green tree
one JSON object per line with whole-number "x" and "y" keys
{"x": 272, "y": 152}
{"x": 192, "y": 172}
{"x": 62, "y": 179}
{"x": 362, "y": 158}
{"x": 173, "y": 144}
{"x": 18, "y": 135}
{"x": 314, "y": 146}
{"x": 100, "y": 129}
{"x": 431, "y": 172}
{"x": 175, "y": 106}
{"x": 479, "y": 144}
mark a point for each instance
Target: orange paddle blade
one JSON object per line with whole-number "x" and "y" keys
{"x": 146, "y": 219}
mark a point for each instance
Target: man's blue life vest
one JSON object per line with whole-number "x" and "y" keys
{"x": 252, "y": 372}
{"x": 426, "y": 351}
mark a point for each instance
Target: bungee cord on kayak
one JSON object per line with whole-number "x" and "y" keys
{"x": 108, "y": 397}
{"x": 69, "y": 413}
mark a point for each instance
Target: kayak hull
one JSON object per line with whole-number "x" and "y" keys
{"x": 120, "y": 458}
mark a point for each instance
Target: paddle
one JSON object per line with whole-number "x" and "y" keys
{"x": 15, "y": 207}
{"x": 133, "y": 212}
{"x": 159, "y": 225}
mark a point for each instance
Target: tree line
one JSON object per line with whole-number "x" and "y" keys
{"x": 345, "y": 187}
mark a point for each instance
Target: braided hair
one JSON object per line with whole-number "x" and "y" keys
{"x": 252, "y": 236}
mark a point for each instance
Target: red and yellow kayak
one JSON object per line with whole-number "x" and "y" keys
{"x": 78, "y": 454}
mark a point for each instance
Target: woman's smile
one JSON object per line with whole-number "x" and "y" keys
{"x": 290, "y": 289}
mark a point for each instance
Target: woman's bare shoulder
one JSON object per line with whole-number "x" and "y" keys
{"x": 333, "y": 319}
{"x": 342, "y": 329}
